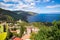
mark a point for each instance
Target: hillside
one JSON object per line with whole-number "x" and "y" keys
{"x": 16, "y": 15}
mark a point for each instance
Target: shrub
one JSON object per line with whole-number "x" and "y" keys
{"x": 3, "y": 35}
{"x": 48, "y": 33}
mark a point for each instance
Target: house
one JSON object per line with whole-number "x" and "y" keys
{"x": 26, "y": 37}
{"x": 14, "y": 29}
{"x": 31, "y": 29}
{"x": 15, "y": 38}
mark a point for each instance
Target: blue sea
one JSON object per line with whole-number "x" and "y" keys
{"x": 44, "y": 18}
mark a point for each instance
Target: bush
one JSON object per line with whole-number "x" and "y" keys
{"x": 9, "y": 35}
{"x": 48, "y": 33}
{"x": 3, "y": 35}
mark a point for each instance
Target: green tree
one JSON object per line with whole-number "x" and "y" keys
{"x": 37, "y": 24}
{"x": 1, "y": 28}
{"x": 48, "y": 33}
{"x": 9, "y": 18}
{"x": 22, "y": 28}
{"x": 9, "y": 35}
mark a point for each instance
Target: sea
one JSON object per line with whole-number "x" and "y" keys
{"x": 44, "y": 17}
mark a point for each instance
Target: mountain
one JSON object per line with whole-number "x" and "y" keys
{"x": 44, "y": 17}
{"x": 23, "y": 15}
{"x": 16, "y": 15}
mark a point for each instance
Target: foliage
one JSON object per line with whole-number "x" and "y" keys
{"x": 3, "y": 35}
{"x": 32, "y": 36}
{"x": 23, "y": 23}
{"x": 48, "y": 33}
{"x": 9, "y": 35}
{"x": 9, "y": 18}
{"x": 22, "y": 29}
{"x": 6, "y": 27}
{"x": 1, "y": 28}
{"x": 37, "y": 24}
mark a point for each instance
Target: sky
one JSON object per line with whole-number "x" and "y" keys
{"x": 37, "y": 6}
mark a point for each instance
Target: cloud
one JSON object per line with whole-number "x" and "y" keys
{"x": 46, "y": 0}
{"x": 5, "y": 5}
{"x": 21, "y": 6}
{"x": 11, "y": 0}
{"x": 29, "y": 0}
{"x": 54, "y": 6}
{"x": 6, "y": 0}
{"x": 26, "y": 5}
{"x": 54, "y": 11}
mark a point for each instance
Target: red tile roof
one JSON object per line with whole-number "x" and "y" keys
{"x": 26, "y": 36}
{"x": 17, "y": 38}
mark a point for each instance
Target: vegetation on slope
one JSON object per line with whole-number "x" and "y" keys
{"x": 48, "y": 33}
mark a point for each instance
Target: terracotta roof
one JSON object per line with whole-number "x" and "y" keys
{"x": 17, "y": 38}
{"x": 26, "y": 36}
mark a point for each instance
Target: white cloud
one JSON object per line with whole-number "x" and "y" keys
{"x": 54, "y": 6}
{"x": 21, "y": 5}
{"x": 6, "y": 0}
{"x": 32, "y": 4}
{"x": 11, "y": 0}
{"x": 29, "y": 0}
{"x": 26, "y": 7}
{"x": 5, "y": 5}
{"x": 46, "y": 0}
{"x": 29, "y": 6}
{"x": 53, "y": 11}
